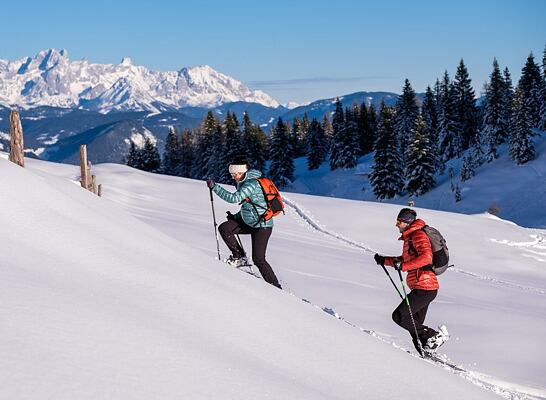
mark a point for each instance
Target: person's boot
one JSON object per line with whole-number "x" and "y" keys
{"x": 437, "y": 340}
{"x": 237, "y": 262}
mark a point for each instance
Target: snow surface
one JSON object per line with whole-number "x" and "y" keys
{"x": 121, "y": 297}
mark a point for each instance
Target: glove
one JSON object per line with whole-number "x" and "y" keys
{"x": 210, "y": 183}
{"x": 397, "y": 264}
{"x": 230, "y": 216}
{"x": 380, "y": 260}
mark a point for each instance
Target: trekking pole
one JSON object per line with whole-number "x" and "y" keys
{"x": 215, "y": 225}
{"x": 411, "y": 315}
{"x": 393, "y": 284}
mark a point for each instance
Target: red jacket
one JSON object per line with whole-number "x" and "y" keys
{"x": 412, "y": 261}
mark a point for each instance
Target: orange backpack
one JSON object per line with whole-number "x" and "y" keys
{"x": 273, "y": 200}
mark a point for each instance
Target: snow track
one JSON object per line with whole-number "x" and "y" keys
{"x": 507, "y": 391}
{"x": 301, "y": 213}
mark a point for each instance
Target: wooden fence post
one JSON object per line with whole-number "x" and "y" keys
{"x": 16, "y": 150}
{"x": 94, "y": 184}
{"x": 88, "y": 181}
{"x": 83, "y": 167}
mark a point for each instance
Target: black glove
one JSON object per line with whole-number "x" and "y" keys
{"x": 230, "y": 216}
{"x": 397, "y": 264}
{"x": 210, "y": 183}
{"x": 380, "y": 260}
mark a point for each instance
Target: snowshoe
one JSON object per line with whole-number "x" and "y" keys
{"x": 437, "y": 340}
{"x": 237, "y": 262}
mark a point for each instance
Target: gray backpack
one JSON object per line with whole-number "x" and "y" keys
{"x": 440, "y": 252}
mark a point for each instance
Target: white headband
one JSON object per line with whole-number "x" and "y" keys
{"x": 234, "y": 168}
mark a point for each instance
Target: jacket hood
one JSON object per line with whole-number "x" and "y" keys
{"x": 253, "y": 173}
{"x": 415, "y": 226}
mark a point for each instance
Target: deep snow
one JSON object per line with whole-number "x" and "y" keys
{"x": 120, "y": 297}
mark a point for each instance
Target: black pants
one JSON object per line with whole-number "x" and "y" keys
{"x": 419, "y": 301}
{"x": 259, "y": 237}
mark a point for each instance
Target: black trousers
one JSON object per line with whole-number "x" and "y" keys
{"x": 419, "y": 301}
{"x": 259, "y": 237}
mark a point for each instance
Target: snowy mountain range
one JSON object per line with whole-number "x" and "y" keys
{"x": 51, "y": 79}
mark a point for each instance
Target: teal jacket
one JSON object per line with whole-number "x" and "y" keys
{"x": 249, "y": 187}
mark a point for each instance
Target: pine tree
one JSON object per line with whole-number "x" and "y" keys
{"x": 465, "y": 108}
{"x": 530, "y": 85}
{"x": 186, "y": 155}
{"x": 293, "y": 132}
{"x": 302, "y": 135}
{"x": 495, "y": 127}
{"x": 171, "y": 154}
{"x": 372, "y": 124}
{"x": 216, "y": 166}
{"x": 232, "y": 148}
{"x": 366, "y": 138}
{"x": 134, "y": 157}
{"x": 521, "y": 146}
{"x": 467, "y": 168}
{"x": 328, "y": 132}
{"x": 281, "y": 170}
{"x": 420, "y": 160}
{"x": 349, "y": 148}
{"x": 298, "y": 135}
{"x": 317, "y": 145}
{"x": 449, "y": 129}
{"x": 387, "y": 173}
{"x": 542, "y": 122}
{"x": 151, "y": 161}
{"x": 204, "y": 146}
{"x": 338, "y": 131}
{"x": 507, "y": 97}
{"x": 430, "y": 118}
{"x": 457, "y": 193}
{"x": 254, "y": 144}
{"x": 406, "y": 111}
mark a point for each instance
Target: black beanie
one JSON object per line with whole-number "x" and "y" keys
{"x": 407, "y": 215}
{"x": 240, "y": 160}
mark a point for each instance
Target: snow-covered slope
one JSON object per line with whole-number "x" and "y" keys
{"x": 120, "y": 297}
{"x": 517, "y": 193}
{"x": 50, "y": 78}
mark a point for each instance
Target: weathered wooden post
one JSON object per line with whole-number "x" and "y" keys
{"x": 94, "y": 184}
{"x": 100, "y": 190}
{"x": 16, "y": 150}
{"x": 83, "y": 167}
{"x": 89, "y": 179}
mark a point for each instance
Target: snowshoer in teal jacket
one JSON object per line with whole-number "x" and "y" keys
{"x": 248, "y": 221}
{"x": 247, "y": 188}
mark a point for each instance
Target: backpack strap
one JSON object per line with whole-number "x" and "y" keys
{"x": 412, "y": 248}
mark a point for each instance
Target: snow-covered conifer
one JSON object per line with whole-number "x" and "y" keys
{"x": 171, "y": 155}
{"x": 420, "y": 160}
{"x": 387, "y": 172}
{"x": 317, "y": 145}
{"x": 406, "y": 111}
{"x": 281, "y": 170}
{"x": 521, "y": 145}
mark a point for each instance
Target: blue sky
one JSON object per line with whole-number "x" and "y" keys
{"x": 293, "y": 50}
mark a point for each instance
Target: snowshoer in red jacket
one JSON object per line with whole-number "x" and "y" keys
{"x": 416, "y": 257}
